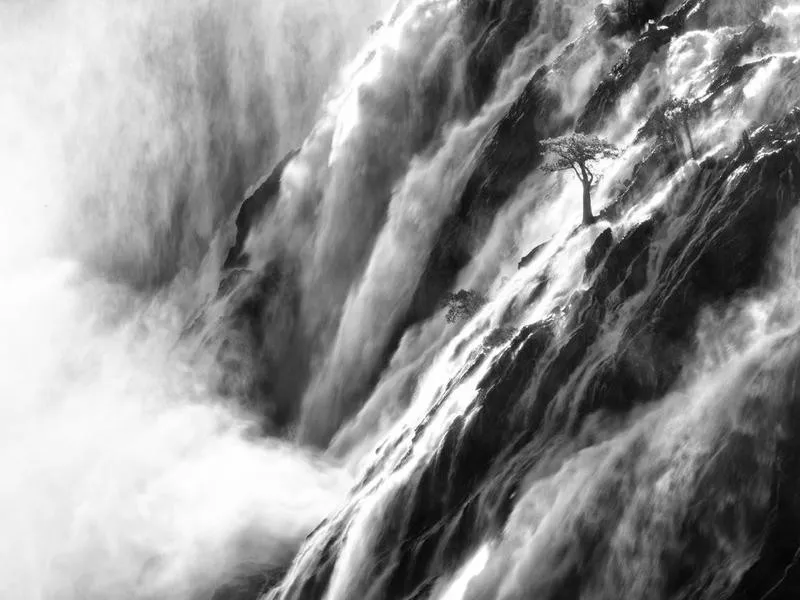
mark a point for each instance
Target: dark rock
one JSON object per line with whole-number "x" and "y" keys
{"x": 622, "y": 255}
{"x": 713, "y": 244}
{"x": 528, "y": 258}
{"x": 563, "y": 362}
{"x": 725, "y": 250}
{"x": 722, "y": 250}
{"x": 614, "y": 385}
{"x": 748, "y": 153}
{"x": 511, "y": 152}
{"x": 658, "y": 124}
{"x": 744, "y": 43}
{"x": 636, "y": 278}
{"x": 537, "y": 291}
{"x": 441, "y": 490}
{"x": 263, "y": 354}
{"x": 775, "y": 572}
{"x": 499, "y": 336}
{"x": 496, "y": 26}
{"x": 623, "y": 16}
{"x": 729, "y": 77}
{"x": 252, "y": 210}
{"x": 598, "y": 251}
{"x": 627, "y": 71}
{"x": 505, "y": 160}
{"x": 662, "y": 160}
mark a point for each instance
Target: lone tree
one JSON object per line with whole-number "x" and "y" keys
{"x": 677, "y": 114}
{"x": 577, "y": 152}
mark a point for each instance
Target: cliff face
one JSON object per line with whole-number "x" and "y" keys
{"x": 618, "y": 419}
{"x": 552, "y": 380}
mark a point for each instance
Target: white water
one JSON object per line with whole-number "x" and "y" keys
{"x": 123, "y": 476}
{"x": 684, "y": 426}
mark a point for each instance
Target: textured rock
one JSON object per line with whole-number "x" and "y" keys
{"x": 252, "y": 210}
{"x": 622, "y": 16}
{"x": 528, "y": 258}
{"x": 507, "y": 157}
{"x": 627, "y": 71}
{"x": 615, "y": 343}
{"x": 721, "y": 249}
{"x": 598, "y": 250}
{"x": 494, "y": 28}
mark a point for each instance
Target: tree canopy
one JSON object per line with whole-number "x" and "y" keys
{"x": 676, "y": 109}
{"x": 673, "y": 116}
{"x": 462, "y": 305}
{"x": 577, "y": 152}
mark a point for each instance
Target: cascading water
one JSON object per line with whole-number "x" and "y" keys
{"x": 210, "y": 398}
{"x": 128, "y": 133}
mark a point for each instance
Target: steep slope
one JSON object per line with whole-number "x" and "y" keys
{"x": 617, "y": 419}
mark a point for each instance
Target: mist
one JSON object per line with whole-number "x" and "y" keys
{"x": 131, "y": 132}
{"x": 309, "y": 420}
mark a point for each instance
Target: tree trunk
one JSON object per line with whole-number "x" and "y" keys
{"x": 676, "y": 139}
{"x": 588, "y": 217}
{"x": 689, "y": 137}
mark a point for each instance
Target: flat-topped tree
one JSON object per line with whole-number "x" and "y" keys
{"x": 577, "y": 152}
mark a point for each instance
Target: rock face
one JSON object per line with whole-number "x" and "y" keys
{"x": 491, "y": 29}
{"x": 598, "y": 250}
{"x": 494, "y": 28}
{"x": 628, "y": 70}
{"x": 252, "y": 209}
{"x": 528, "y": 258}
{"x": 623, "y": 16}
{"x": 597, "y": 371}
{"x": 501, "y": 166}
{"x": 464, "y": 492}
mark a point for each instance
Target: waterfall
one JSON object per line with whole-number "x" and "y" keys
{"x": 129, "y": 131}
{"x": 292, "y": 311}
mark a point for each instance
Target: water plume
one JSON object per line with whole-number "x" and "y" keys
{"x": 133, "y": 131}
{"x": 163, "y": 116}
{"x": 124, "y": 477}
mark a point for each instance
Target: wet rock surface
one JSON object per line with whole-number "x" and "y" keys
{"x": 623, "y": 16}
{"x": 528, "y": 258}
{"x": 630, "y": 67}
{"x": 648, "y": 284}
{"x": 252, "y": 209}
{"x": 494, "y": 28}
{"x": 506, "y": 159}
{"x": 598, "y": 250}
{"x": 435, "y": 511}
{"x": 462, "y": 493}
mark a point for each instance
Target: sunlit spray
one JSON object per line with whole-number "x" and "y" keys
{"x": 130, "y": 131}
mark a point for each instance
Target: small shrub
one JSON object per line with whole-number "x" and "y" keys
{"x": 462, "y": 305}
